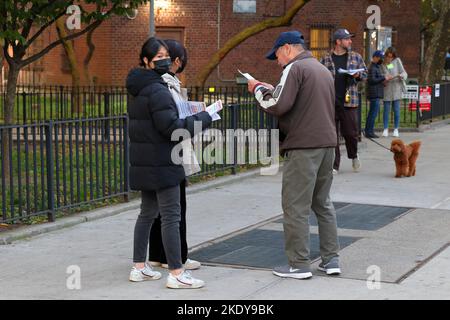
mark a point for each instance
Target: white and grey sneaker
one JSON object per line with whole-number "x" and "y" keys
{"x": 385, "y": 133}
{"x": 356, "y": 164}
{"x": 192, "y": 264}
{"x": 147, "y": 273}
{"x": 188, "y": 265}
{"x": 331, "y": 267}
{"x": 295, "y": 273}
{"x": 183, "y": 281}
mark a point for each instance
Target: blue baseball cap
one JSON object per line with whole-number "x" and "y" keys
{"x": 342, "y": 34}
{"x": 378, "y": 53}
{"x": 290, "y": 37}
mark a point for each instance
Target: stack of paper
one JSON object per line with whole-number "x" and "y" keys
{"x": 350, "y": 72}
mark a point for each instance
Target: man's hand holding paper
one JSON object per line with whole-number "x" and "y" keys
{"x": 253, "y": 83}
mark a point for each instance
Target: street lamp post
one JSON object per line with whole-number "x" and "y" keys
{"x": 152, "y": 18}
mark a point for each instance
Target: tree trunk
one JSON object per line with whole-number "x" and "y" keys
{"x": 70, "y": 53}
{"x": 11, "y": 87}
{"x": 87, "y": 60}
{"x": 435, "y": 54}
{"x": 247, "y": 33}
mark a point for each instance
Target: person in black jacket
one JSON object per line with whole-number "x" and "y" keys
{"x": 375, "y": 82}
{"x": 156, "y": 254}
{"x": 153, "y": 117}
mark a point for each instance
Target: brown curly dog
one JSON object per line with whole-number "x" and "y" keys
{"x": 405, "y": 157}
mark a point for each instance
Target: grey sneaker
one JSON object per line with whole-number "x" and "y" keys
{"x": 356, "y": 164}
{"x": 332, "y": 267}
{"x": 289, "y": 272}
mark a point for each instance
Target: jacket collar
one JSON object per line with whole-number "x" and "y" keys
{"x": 304, "y": 55}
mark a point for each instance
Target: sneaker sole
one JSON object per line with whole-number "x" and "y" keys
{"x": 184, "y": 287}
{"x": 300, "y": 276}
{"x": 145, "y": 279}
{"x": 331, "y": 271}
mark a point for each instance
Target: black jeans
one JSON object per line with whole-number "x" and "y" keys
{"x": 156, "y": 248}
{"x": 347, "y": 127}
{"x": 165, "y": 203}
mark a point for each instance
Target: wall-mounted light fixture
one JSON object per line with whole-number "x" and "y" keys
{"x": 161, "y": 5}
{"x": 131, "y": 13}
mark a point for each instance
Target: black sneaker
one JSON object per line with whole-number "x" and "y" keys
{"x": 371, "y": 135}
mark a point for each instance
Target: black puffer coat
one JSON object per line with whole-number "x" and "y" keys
{"x": 375, "y": 86}
{"x": 153, "y": 117}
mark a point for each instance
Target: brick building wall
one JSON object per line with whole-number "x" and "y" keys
{"x": 118, "y": 41}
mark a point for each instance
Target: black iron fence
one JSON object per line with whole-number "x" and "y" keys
{"x": 434, "y": 104}
{"x": 61, "y": 164}
{"x": 69, "y": 148}
{"x": 42, "y": 103}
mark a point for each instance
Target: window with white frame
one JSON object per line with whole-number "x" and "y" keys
{"x": 244, "y": 6}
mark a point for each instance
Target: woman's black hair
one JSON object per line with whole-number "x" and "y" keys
{"x": 177, "y": 50}
{"x": 150, "y": 49}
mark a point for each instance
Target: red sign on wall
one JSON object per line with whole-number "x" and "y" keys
{"x": 425, "y": 100}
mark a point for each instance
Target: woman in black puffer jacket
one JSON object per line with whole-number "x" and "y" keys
{"x": 153, "y": 117}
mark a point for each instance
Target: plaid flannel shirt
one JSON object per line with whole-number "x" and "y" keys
{"x": 355, "y": 61}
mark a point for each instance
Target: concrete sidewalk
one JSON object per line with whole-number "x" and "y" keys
{"x": 412, "y": 252}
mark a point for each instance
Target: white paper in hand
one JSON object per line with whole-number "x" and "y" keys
{"x": 246, "y": 75}
{"x": 214, "y": 109}
{"x": 350, "y": 72}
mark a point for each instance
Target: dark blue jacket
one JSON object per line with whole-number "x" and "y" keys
{"x": 153, "y": 116}
{"x": 375, "y": 79}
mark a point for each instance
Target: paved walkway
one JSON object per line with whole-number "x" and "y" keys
{"x": 412, "y": 252}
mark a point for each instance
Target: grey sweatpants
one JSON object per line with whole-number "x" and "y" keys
{"x": 307, "y": 179}
{"x": 166, "y": 203}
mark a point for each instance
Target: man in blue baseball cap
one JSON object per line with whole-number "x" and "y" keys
{"x": 289, "y": 37}
{"x": 303, "y": 103}
{"x": 375, "y": 92}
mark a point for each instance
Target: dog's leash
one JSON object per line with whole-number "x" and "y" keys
{"x": 379, "y": 144}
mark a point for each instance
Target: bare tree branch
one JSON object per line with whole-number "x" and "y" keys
{"x": 42, "y": 29}
{"x": 247, "y": 33}
{"x": 93, "y": 25}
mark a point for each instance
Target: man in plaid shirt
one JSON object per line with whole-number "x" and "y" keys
{"x": 346, "y": 87}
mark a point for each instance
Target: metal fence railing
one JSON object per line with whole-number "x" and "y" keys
{"x": 61, "y": 164}
{"x": 42, "y": 103}
{"x": 438, "y": 107}
{"x": 57, "y": 157}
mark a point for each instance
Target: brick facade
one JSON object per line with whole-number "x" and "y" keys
{"x": 118, "y": 41}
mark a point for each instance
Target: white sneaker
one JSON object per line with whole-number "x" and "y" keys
{"x": 356, "y": 164}
{"x": 155, "y": 263}
{"x": 385, "y": 133}
{"x": 147, "y": 273}
{"x": 192, "y": 264}
{"x": 335, "y": 171}
{"x": 188, "y": 265}
{"x": 183, "y": 281}
{"x": 395, "y": 134}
